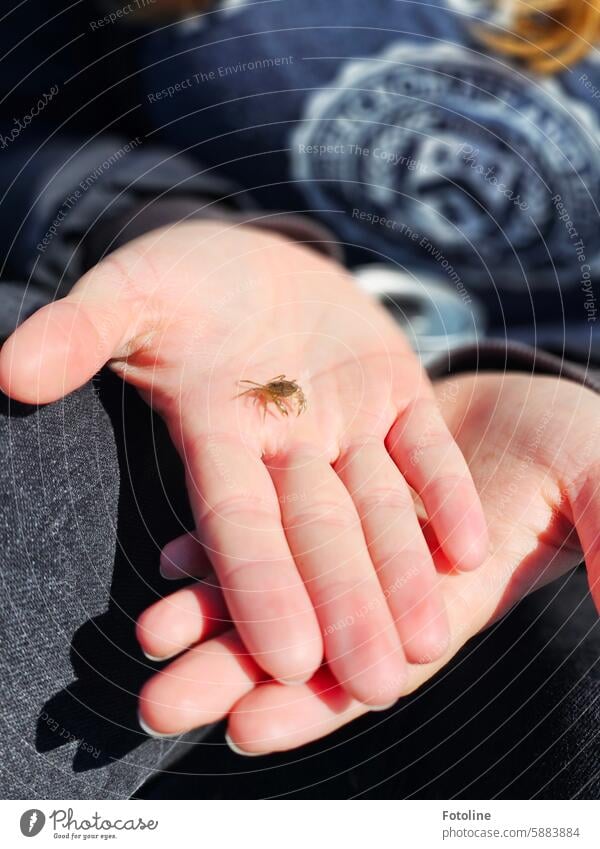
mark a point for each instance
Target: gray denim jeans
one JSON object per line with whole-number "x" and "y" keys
{"x": 87, "y": 500}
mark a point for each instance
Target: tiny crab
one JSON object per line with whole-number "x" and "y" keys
{"x": 275, "y": 390}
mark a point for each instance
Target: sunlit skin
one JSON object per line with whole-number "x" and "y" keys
{"x": 306, "y": 519}
{"x": 532, "y": 446}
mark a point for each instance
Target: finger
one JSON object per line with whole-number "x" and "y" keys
{"x": 272, "y": 718}
{"x": 239, "y": 523}
{"x": 584, "y": 500}
{"x": 182, "y": 619}
{"x": 426, "y": 454}
{"x": 62, "y": 345}
{"x": 184, "y": 557}
{"x": 324, "y": 533}
{"x": 398, "y": 549}
{"x": 199, "y": 687}
{"x": 265, "y": 716}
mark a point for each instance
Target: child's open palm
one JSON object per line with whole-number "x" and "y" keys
{"x": 307, "y": 518}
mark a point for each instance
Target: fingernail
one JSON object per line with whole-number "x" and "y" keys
{"x": 168, "y": 570}
{"x": 160, "y": 659}
{"x": 152, "y": 733}
{"x": 171, "y": 571}
{"x": 241, "y": 752}
{"x": 378, "y": 708}
{"x": 294, "y": 682}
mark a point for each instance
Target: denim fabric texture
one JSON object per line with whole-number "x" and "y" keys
{"x": 90, "y": 489}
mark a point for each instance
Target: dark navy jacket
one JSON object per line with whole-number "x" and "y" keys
{"x": 384, "y": 119}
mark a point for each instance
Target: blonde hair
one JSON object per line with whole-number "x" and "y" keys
{"x": 546, "y": 35}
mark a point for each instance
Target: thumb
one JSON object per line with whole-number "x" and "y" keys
{"x": 62, "y": 345}
{"x": 585, "y": 506}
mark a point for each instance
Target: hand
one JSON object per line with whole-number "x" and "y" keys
{"x": 308, "y": 520}
{"x": 533, "y": 448}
